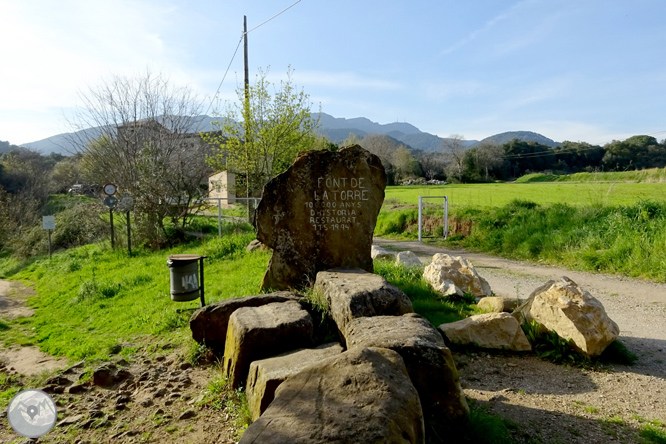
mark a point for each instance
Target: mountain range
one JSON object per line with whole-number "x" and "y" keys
{"x": 335, "y": 129}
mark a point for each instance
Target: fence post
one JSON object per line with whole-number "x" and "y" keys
{"x": 219, "y": 218}
{"x": 420, "y": 206}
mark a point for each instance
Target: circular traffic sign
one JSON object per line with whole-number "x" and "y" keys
{"x": 110, "y": 189}
{"x": 111, "y": 202}
{"x": 126, "y": 203}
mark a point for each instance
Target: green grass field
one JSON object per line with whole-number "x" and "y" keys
{"x": 92, "y": 300}
{"x": 499, "y": 194}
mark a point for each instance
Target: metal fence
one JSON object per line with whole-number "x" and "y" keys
{"x": 445, "y": 216}
{"x": 251, "y": 202}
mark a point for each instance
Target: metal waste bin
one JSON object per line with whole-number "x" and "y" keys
{"x": 186, "y": 277}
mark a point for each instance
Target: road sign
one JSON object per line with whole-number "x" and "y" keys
{"x": 48, "y": 222}
{"x": 110, "y": 189}
{"x": 126, "y": 203}
{"x": 111, "y": 202}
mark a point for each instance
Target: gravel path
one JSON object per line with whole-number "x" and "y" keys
{"x": 552, "y": 403}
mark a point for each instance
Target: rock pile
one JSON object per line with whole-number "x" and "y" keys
{"x": 395, "y": 371}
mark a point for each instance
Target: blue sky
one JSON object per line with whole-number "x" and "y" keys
{"x": 587, "y": 70}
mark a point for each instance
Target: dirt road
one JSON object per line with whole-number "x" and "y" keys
{"x": 552, "y": 403}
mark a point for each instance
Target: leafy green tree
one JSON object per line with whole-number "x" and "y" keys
{"x": 260, "y": 135}
{"x": 636, "y": 152}
{"x": 574, "y": 157}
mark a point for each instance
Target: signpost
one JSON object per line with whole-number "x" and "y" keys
{"x": 48, "y": 223}
{"x": 111, "y": 202}
{"x": 126, "y": 204}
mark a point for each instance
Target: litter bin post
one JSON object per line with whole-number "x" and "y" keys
{"x": 186, "y": 283}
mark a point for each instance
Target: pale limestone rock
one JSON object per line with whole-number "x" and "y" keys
{"x": 408, "y": 259}
{"x": 451, "y": 275}
{"x": 497, "y": 304}
{"x": 562, "y": 306}
{"x": 379, "y": 253}
{"x": 489, "y": 330}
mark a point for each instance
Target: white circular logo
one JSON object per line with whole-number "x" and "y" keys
{"x": 32, "y": 413}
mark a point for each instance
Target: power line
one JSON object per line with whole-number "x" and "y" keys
{"x": 266, "y": 21}
{"x": 225, "y": 75}
{"x": 238, "y": 46}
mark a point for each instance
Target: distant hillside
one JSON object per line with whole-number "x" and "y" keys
{"x": 335, "y": 129}
{"x": 329, "y": 122}
{"x": 65, "y": 143}
{"x": 524, "y": 136}
{"x": 338, "y": 129}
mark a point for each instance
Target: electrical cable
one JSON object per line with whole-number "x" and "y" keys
{"x": 236, "y": 51}
{"x": 225, "y": 75}
{"x": 266, "y": 21}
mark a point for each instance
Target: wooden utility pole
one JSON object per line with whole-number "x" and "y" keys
{"x": 247, "y": 72}
{"x": 246, "y": 107}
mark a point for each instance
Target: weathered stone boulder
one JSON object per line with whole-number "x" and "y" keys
{"x": 451, "y": 275}
{"x": 562, "y": 306}
{"x": 354, "y": 293}
{"x": 267, "y": 374}
{"x": 489, "y": 330}
{"x": 209, "y": 323}
{"x": 379, "y": 253}
{"x": 259, "y": 332}
{"x": 361, "y": 396}
{"x": 497, "y": 304}
{"x": 255, "y": 245}
{"x": 429, "y": 362}
{"x": 408, "y": 259}
{"x": 320, "y": 214}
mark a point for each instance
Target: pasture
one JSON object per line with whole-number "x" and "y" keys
{"x": 500, "y": 194}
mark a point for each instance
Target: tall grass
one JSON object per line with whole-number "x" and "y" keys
{"x": 630, "y": 239}
{"x": 426, "y": 301}
{"x": 614, "y": 239}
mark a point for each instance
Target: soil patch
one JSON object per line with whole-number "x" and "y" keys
{"x": 155, "y": 398}
{"x": 24, "y": 360}
{"x": 13, "y": 297}
{"x": 30, "y": 361}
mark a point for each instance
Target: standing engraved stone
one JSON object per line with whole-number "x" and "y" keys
{"x": 320, "y": 214}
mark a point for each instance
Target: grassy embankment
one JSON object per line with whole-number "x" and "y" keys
{"x": 649, "y": 176}
{"x": 605, "y": 227}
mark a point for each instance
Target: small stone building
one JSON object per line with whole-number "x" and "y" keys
{"x": 222, "y": 185}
